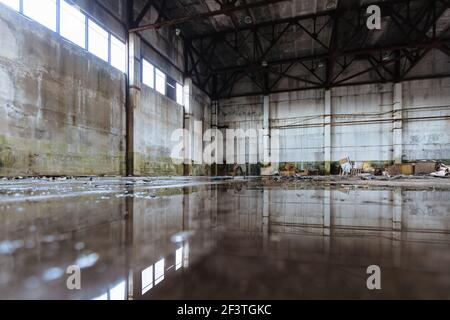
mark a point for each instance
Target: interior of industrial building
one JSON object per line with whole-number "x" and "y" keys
{"x": 224, "y": 149}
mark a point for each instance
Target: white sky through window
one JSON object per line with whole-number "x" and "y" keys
{"x": 42, "y": 11}
{"x": 73, "y": 24}
{"x": 15, "y": 4}
{"x": 118, "y": 54}
{"x": 160, "y": 84}
{"x": 98, "y": 41}
{"x": 148, "y": 74}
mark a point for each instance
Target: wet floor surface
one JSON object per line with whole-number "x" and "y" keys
{"x": 211, "y": 239}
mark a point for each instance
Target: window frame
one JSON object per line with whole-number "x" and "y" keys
{"x": 56, "y": 13}
{"x": 107, "y": 58}
{"x": 153, "y": 74}
{"x": 179, "y": 100}
{"x": 85, "y": 36}
{"x": 113, "y": 38}
{"x": 57, "y": 29}
{"x": 163, "y": 83}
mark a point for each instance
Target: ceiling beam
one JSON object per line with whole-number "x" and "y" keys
{"x": 201, "y": 16}
{"x": 143, "y": 13}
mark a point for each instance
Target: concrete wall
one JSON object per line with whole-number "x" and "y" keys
{"x": 61, "y": 108}
{"x": 426, "y": 139}
{"x": 155, "y": 119}
{"x": 360, "y": 125}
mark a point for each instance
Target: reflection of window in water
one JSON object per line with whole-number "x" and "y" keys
{"x": 159, "y": 271}
{"x": 116, "y": 293}
{"x": 178, "y": 258}
{"x": 102, "y": 297}
{"x": 147, "y": 279}
{"x": 150, "y": 277}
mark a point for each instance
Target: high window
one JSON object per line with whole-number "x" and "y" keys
{"x": 42, "y": 11}
{"x": 73, "y": 24}
{"x": 179, "y": 94}
{"x": 148, "y": 74}
{"x": 160, "y": 81}
{"x": 98, "y": 41}
{"x": 14, "y": 4}
{"x": 118, "y": 54}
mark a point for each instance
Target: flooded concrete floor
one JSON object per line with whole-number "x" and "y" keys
{"x": 205, "y": 238}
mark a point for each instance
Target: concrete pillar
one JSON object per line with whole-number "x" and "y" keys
{"x": 327, "y": 132}
{"x": 397, "y": 140}
{"x": 133, "y": 96}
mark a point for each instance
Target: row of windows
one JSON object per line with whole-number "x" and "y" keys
{"x": 62, "y": 17}
{"x": 156, "y": 79}
{"x": 67, "y": 20}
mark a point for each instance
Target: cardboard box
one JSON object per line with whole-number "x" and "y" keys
{"x": 407, "y": 169}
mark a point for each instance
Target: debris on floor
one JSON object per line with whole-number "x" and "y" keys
{"x": 346, "y": 166}
{"x": 442, "y": 172}
{"x": 268, "y": 171}
{"x": 425, "y": 167}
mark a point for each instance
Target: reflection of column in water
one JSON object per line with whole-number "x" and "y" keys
{"x": 326, "y": 212}
{"x": 266, "y": 217}
{"x": 129, "y": 241}
{"x": 397, "y": 226}
{"x": 186, "y": 255}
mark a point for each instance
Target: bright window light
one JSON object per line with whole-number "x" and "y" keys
{"x": 15, "y": 4}
{"x": 118, "y": 54}
{"x": 42, "y": 11}
{"x": 159, "y": 271}
{"x": 102, "y": 297}
{"x": 73, "y": 24}
{"x": 118, "y": 292}
{"x": 179, "y": 94}
{"x": 178, "y": 258}
{"x": 160, "y": 81}
{"x": 147, "y": 279}
{"x": 148, "y": 74}
{"x": 98, "y": 41}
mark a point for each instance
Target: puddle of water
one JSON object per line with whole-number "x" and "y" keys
{"x": 227, "y": 241}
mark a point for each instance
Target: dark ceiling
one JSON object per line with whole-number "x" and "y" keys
{"x": 262, "y": 46}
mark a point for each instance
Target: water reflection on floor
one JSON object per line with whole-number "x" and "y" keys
{"x": 232, "y": 241}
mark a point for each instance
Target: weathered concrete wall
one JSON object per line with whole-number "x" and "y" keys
{"x": 156, "y": 118}
{"x": 200, "y": 111}
{"x": 61, "y": 108}
{"x": 426, "y": 139}
{"x": 299, "y": 117}
{"x": 361, "y": 122}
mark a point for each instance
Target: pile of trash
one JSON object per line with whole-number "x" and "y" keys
{"x": 442, "y": 171}
{"x": 366, "y": 170}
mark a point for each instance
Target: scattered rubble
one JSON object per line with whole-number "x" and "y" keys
{"x": 442, "y": 171}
